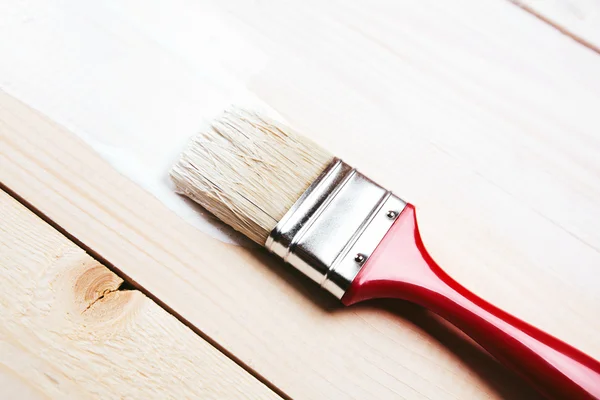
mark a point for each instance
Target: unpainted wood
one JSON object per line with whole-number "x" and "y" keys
{"x": 68, "y": 331}
{"x": 274, "y": 319}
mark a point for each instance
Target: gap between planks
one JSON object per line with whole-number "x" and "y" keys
{"x": 563, "y": 24}
{"x": 129, "y": 283}
{"x": 71, "y": 328}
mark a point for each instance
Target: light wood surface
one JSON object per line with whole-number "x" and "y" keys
{"x": 273, "y": 319}
{"x": 479, "y": 113}
{"x": 69, "y": 331}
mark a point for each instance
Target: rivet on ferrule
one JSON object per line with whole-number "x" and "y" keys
{"x": 332, "y": 230}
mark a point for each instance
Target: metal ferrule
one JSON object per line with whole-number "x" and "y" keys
{"x": 335, "y": 226}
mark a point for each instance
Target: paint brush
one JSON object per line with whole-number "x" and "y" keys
{"x": 356, "y": 239}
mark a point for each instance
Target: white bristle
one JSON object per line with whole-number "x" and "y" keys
{"x": 248, "y": 170}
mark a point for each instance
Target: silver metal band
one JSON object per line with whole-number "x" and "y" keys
{"x": 333, "y": 228}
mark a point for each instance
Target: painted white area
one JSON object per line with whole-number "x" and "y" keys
{"x": 135, "y": 101}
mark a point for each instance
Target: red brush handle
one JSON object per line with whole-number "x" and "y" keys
{"x": 401, "y": 268}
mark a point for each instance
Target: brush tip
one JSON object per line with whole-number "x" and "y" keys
{"x": 248, "y": 170}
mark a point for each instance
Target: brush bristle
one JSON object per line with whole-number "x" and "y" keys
{"x": 248, "y": 171}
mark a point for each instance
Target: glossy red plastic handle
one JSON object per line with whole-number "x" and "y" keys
{"x": 401, "y": 268}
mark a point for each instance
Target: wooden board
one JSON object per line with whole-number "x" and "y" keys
{"x": 69, "y": 331}
{"x": 491, "y": 130}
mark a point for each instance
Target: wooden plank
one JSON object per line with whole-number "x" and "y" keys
{"x": 67, "y": 329}
{"x": 492, "y": 131}
{"x": 579, "y": 19}
{"x": 272, "y": 318}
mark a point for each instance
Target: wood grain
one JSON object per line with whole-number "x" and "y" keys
{"x": 479, "y": 113}
{"x": 276, "y": 321}
{"x": 68, "y": 330}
